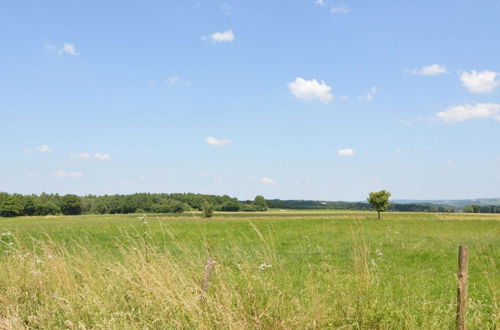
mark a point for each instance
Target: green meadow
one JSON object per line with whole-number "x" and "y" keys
{"x": 273, "y": 270}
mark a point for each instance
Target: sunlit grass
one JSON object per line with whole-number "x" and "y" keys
{"x": 299, "y": 269}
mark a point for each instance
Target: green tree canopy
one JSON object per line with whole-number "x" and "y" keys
{"x": 379, "y": 201}
{"x": 71, "y": 205}
{"x": 260, "y": 203}
{"x": 12, "y": 207}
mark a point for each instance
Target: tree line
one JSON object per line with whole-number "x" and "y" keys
{"x": 12, "y": 205}
{"x": 401, "y": 207}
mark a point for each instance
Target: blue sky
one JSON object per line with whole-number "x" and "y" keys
{"x": 298, "y": 99}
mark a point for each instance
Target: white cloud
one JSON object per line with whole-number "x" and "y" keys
{"x": 102, "y": 156}
{"x": 345, "y": 152}
{"x": 64, "y": 174}
{"x": 480, "y": 82}
{"x": 340, "y": 10}
{"x": 370, "y": 96}
{"x": 142, "y": 176}
{"x": 226, "y": 36}
{"x": 44, "y": 148}
{"x": 69, "y": 49}
{"x": 429, "y": 70}
{"x": 217, "y": 142}
{"x": 267, "y": 180}
{"x": 468, "y": 111}
{"x": 321, "y": 3}
{"x": 173, "y": 79}
{"x": 310, "y": 90}
{"x": 82, "y": 155}
{"x": 344, "y": 98}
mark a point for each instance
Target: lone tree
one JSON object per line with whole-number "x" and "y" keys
{"x": 379, "y": 201}
{"x": 208, "y": 209}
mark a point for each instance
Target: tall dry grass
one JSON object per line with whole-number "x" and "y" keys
{"x": 50, "y": 285}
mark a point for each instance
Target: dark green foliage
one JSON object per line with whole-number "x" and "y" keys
{"x": 12, "y": 206}
{"x": 231, "y": 206}
{"x": 47, "y": 207}
{"x": 71, "y": 205}
{"x": 260, "y": 203}
{"x": 472, "y": 209}
{"x": 379, "y": 201}
{"x": 170, "y": 206}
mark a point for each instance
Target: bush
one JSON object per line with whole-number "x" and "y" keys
{"x": 208, "y": 210}
{"x": 231, "y": 206}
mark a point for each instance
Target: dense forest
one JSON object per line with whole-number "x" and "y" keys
{"x": 12, "y": 205}
{"x": 46, "y": 204}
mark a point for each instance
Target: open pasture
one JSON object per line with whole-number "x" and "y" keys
{"x": 278, "y": 269}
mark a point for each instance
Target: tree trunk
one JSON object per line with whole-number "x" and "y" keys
{"x": 378, "y": 215}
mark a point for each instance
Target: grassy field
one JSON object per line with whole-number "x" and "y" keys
{"x": 278, "y": 269}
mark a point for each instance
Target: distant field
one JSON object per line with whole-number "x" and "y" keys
{"x": 278, "y": 269}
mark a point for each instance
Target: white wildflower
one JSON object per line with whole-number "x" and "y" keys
{"x": 264, "y": 266}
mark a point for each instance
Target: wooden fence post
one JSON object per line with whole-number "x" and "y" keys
{"x": 463, "y": 260}
{"x": 209, "y": 266}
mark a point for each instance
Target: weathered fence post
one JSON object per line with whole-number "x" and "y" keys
{"x": 209, "y": 266}
{"x": 463, "y": 260}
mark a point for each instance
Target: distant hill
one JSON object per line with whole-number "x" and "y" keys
{"x": 487, "y": 205}
{"x": 457, "y": 202}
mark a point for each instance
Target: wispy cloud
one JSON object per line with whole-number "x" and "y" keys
{"x": 370, "y": 96}
{"x": 267, "y": 180}
{"x": 340, "y": 10}
{"x": 217, "y": 37}
{"x": 217, "y": 142}
{"x": 66, "y": 48}
{"x": 429, "y": 70}
{"x": 480, "y": 82}
{"x": 102, "y": 156}
{"x": 468, "y": 111}
{"x": 310, "y": 90}
{"x": 69, "y": 49}
{"x": 49, "y": 47}
{"x": 82, "y": 155}
{"x": 64, "y": 174}
{"x": 172, "y": 79}
{"x": 44, "y": 148}
{"x": 225, "y": 8}
{"x": 345, "y": 152}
